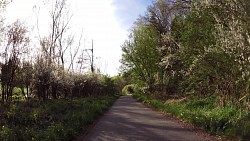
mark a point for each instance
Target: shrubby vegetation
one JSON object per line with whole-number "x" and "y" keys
{"x": 40, "y": 71}
{"x": 128, "y": 89}
{"x": 43, "y": 96}
{"x": 52, "y": 120}
{"x": 198, "y": 50}
{"x": 64, "y": 116}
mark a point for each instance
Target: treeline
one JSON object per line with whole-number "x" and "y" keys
{"x": 191, "y": 48}
{"x": 48, "y": 66}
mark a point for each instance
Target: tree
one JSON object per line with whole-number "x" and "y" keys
{"x": 141, "y": 55}
{"x": 214, "y": 31}
{"x": 24, "y": 78}
{"x": 17, "y": 42}
{"x": 233, "y": 37}
{"x": 54, "y": 47}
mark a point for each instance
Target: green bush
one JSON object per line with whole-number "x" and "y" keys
{"x": 128, "y": 89}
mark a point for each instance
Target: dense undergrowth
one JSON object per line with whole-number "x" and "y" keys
{"x": 53, "y": 120}
{"x": 230, "y": 121}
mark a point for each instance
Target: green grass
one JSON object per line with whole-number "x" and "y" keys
{"x": 229, "y": 121}
{"x": 53, "y": 120}
{"x": 17, "y": 94}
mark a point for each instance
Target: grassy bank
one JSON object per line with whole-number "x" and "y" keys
{"x": 53, "y": 120}
{"x": 229, "y": 121}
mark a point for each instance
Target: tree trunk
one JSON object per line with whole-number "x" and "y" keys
{"x": 54, "y": 91}
{"x": 3, "y": 93}
{"x": 27, "y": 93}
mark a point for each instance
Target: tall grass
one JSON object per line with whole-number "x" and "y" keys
{"x": 231, "y": 121}
{"x": 53, "y": 120}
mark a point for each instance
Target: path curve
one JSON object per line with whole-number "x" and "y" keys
{"x": 128, "y": 120}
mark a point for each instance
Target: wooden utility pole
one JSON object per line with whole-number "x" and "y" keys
{"x": 92, "y": 58}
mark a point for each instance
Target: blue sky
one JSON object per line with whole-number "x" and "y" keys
{"x": 127, "y": 11}
{"x": 107, "y": 22}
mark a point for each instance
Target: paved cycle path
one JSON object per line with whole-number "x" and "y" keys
{"x": 128, "y": 120}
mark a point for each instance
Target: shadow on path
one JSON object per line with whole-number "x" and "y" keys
{"x": 128, "y": 120}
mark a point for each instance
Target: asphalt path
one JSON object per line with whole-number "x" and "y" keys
{"x": 129, "y": 120}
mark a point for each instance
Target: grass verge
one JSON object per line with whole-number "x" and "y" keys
{"x": 229, "y": 121}
{"x": 53, "y": 120}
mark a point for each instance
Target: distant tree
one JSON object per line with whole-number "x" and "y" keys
{"x": 119, "y": 82}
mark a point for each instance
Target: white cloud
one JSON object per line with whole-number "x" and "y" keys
{"x": 19, "y": 9}
{"x": 104, "y": 21}
{"x": 96, "y": 18}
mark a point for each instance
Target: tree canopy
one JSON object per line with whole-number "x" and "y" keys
{"x": 192, "y": 47}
